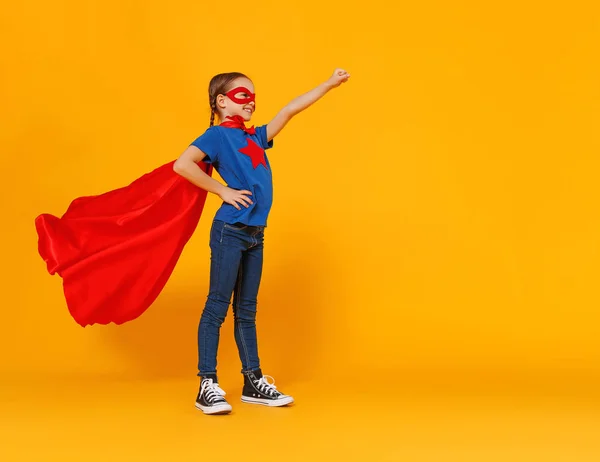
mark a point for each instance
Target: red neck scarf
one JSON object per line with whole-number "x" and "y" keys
{"x": 237, "y": 122}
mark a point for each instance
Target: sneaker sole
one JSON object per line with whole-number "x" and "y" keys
{"x": 211, "y": 410}
{"x": 268, "y": 402}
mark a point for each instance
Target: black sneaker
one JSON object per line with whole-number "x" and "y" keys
{"x": 210, "y": 398}
{"x": 257, "y": 390}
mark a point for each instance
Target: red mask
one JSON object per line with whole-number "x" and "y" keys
{"x": 231, "y": 94}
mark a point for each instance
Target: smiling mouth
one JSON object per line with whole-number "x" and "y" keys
{"x": 248, "y": 110}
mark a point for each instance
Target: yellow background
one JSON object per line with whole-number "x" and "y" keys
{"x": 435, "y": 225}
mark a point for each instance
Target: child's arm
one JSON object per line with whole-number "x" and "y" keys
{"x": 187, "y": 166}
{"x": 302, "y": 102}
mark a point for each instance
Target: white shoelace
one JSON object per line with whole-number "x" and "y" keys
{"x": 266, "y": 387}
{"x": 213, "y": 391}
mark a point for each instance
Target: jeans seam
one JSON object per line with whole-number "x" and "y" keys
{"x": 216, "y": 285}
{"x": 222, "y": 230}
{"x": 239, "y": 325}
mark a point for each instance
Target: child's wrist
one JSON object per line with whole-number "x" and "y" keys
{"x": 220, "y": 189}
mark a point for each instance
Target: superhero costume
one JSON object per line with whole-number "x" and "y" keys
{"x": 116, "y": 251}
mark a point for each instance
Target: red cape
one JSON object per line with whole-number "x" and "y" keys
{"x": 116, "y": 251}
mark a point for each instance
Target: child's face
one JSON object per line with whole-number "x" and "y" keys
{"x": 243, "y": 103}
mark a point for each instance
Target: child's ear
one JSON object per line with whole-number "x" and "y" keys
{"x": 221, "y": 101}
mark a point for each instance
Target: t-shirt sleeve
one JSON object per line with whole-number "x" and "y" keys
{"x": 209, "y": 143}
{"x": 262, "y": 136}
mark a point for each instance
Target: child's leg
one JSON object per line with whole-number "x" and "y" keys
{"x": 257, "y": 388}
{"x": 245, "y": 301}
{"x": 226, "y": 254}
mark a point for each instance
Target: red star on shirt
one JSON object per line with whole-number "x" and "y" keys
{"x": 255, "y": 152}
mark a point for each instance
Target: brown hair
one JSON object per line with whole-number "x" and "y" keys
{"x": 218, "y": 86}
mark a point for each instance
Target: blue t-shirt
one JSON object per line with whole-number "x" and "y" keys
{"x": 241, "y": 161}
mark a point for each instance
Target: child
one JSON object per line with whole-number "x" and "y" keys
{"x": 237, "y": 233}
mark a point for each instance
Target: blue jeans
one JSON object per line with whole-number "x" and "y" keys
{"x": 236, "y": 267}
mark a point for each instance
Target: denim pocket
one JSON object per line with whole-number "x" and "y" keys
{"x": 236, "y": 228}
